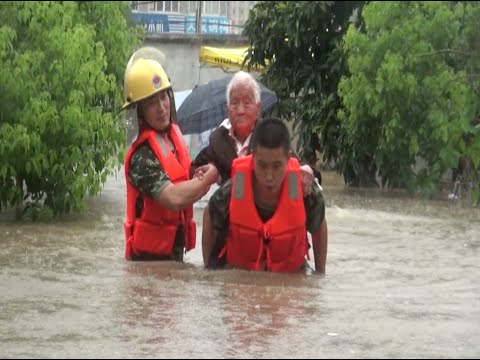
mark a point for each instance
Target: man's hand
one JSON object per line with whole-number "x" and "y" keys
{"x": 306, "y": 173}
{"x": 199, "y": 171}
{"x": 208, "y": 172}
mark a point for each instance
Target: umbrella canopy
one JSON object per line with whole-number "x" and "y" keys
{"x": 180, "y": 97}
{"x": 206, "y": 107}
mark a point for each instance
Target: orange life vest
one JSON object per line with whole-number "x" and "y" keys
{"x": 280, "y": 243}
{"x": 153, "y": 233}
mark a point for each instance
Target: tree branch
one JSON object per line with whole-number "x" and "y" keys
{"x": 442, "y": 51}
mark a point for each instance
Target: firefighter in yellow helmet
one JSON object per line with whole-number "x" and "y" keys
{"x": 160, "y": 195}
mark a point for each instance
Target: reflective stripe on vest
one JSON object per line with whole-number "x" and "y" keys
{"x": 239, "y": 186}
{"x": 161, "y": 143}
{"x": 293, "y": 193}
{"x": 179, "y": 134}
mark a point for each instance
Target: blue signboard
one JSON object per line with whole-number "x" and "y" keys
{"x": 159, "y": 23}
{"x": 210, "y": 25}
{"x": 152, "y": 22}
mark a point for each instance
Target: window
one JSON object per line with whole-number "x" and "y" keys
{"x": 211, "y": 8}
{"x": 143, "y": 6}
{"x": 175, "y": 6}
{"x": 224, "y": 8}
{"x": 193, "y": 7}
{"x": 184, "y": 7}
{"x": 215, "y": 7}
{"x": 166, "y": 6}
{"x": 207, "y": 7}
{"x": 158, "y": 6}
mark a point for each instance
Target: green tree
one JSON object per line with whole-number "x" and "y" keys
{"x": 60, "y": 89}
{"x": 412, "y": 94}
{"x": 300, "y": 42}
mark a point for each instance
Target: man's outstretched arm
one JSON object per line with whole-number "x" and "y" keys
{"x": 320, "y": 247}
{"x": 209, "y": 236}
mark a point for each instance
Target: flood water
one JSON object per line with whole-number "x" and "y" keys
{"x": 403, "y": 280}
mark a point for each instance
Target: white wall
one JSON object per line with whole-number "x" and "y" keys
{"x": 182, "y": 56}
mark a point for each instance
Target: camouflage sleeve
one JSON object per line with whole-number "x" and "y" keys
{"x": 315, "y": 209}
{"x": 146, "y": 173}
{"x": 219, "y": 206}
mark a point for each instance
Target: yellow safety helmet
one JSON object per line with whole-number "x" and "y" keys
{"x": 143, "y": 78}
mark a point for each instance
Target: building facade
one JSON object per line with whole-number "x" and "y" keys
{"x": 217, "y": 17}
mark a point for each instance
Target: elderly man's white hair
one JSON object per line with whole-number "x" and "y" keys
{"x": 245, "y": 79}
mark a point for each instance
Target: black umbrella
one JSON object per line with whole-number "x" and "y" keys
{"x": 206, "y": 106}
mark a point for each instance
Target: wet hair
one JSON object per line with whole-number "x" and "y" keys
{"x": 247, "y": 79}
{"x": 271, "y": 133}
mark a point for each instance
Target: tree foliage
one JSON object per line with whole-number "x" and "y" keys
{"x": 300, "y": 42}
{"x": 60, "y": 89}
{"x": 412, "y": 95}
{"x": 394, "y": 101}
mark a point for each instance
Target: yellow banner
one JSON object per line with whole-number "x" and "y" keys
{"x": 226, "y": 58}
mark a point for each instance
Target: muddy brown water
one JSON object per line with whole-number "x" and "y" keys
{"x": 403, "y": 280}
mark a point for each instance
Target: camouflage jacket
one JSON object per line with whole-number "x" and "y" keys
{"x": 221, "y": 151}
